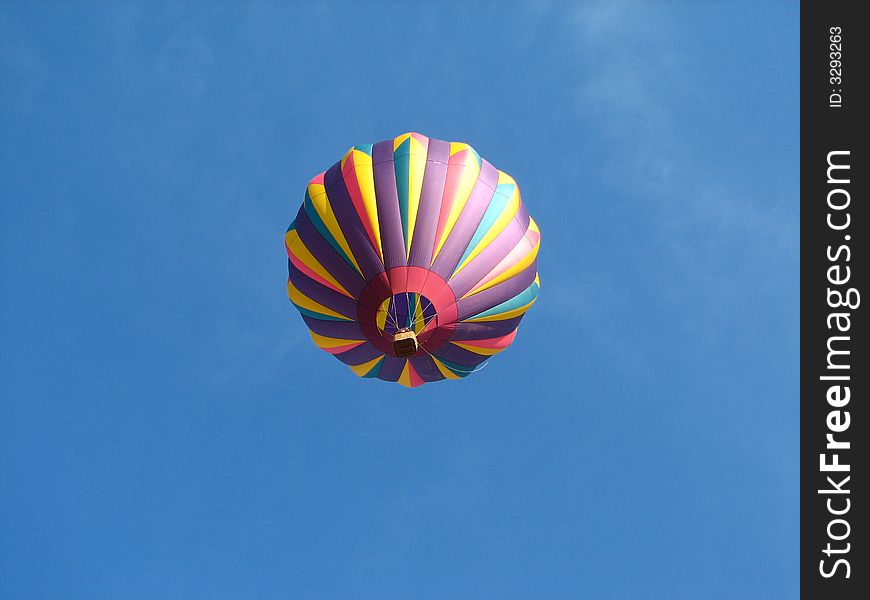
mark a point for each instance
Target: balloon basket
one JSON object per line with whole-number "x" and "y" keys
{"x": 405, "y": 343}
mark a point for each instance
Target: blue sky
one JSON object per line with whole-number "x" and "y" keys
{"x": 169, "y": 431}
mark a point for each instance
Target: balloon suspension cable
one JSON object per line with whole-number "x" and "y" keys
{"x": 394, "y": 321}
{"x": 423, "y": 315}
{"x": 392, "y": 306}
{"x": 395, "y": 324}
{"x": 389, "y": 319}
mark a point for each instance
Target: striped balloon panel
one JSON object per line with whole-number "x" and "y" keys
{"x": 419, "y": 234}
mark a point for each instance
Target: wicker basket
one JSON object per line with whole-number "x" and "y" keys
{"x": 405, "y": 343}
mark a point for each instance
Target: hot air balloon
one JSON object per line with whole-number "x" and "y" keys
{"x": 413, "y": 260}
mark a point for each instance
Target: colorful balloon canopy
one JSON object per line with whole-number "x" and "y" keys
{"x": 419, "y": 239}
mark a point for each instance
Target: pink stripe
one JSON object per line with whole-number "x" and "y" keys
{"x": 496, "y": 342}
{"x": 348, "y": 173}
{"x": 523, "y": 247}
{"x": 455, "y": 170}
{"x": 415, "y": 379}
{"x": 302, "y": 267}
{"x": 340, "y": 349}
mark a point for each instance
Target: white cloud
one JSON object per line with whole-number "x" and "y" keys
{"x": 635, "y": 74}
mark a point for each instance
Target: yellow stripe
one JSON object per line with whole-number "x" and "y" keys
{"x": 398, "y": 140}
{"x": 502, "y": 316}
{"x": 319, "y": 199}
{"x": 363, "y": 170}
{"x": 444, "y": 370}
{"x": 516, "y": 268}
{"x": 505, "y": 178}
{"x": 405, "y": 377}
{"x": 511, "y": 313}
{"x": 478, "y": 349}
{"x": 297, "y": 247}
{"x": 504, "y": 218}
{"x": 457, "y": 147}
{"x": 327, "y": 342}
{"x": 382, "y": 314}
{"x": 419, "y": 321}
{"x": 300, "y": 299}
{"x": 469, "y": 176}
{"x": 417, "y": 148}
{"x": 416, "y": 167}
{"x": 363, "y": 369}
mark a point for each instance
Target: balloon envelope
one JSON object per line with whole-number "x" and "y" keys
{"x": 418, "y": 235}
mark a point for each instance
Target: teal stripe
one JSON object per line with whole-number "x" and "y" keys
{"x": 460, "y": 370}
{"x": 375, "y": 369}
{"x": 402, "y": 160}
{"x": 324, "y": 232}
{"x": 367, "y": 148}
{"x": 497, "y": 204}
{"x": 412, "y": 309}
{"x": 320, "y": 316}
{"x": 404, "y": 149}
{"x": 521, "y": 299}
{"x": 476, "y": 157}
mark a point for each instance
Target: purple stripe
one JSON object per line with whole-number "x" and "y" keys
{"x": 389, "y": 219}
{"x": 460, "y": 356}
{"x": 375, "y": 292}
{"x": 469, "y": 219}
{"x": 426, "y": 369}
{"x": 354, "y": 232}
{"x": 485, "y": 330}
{"x": 374, "y": 284}
{"x": 359, "y": 355}
{"x": 326, "y": 255}
{"x": 335, "y": 329}
{"x": 477, "y": 303}
{"x": 490, "y": 256}
{"x": 322, "y": 294}
{"x": 391, "y": 370}
{"x": 434, "y": 178}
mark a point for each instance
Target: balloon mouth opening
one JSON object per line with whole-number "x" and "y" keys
{"x": 405, "y": 343}
{"x": 405, "y": 311}
{"x": 411, "y": 310}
